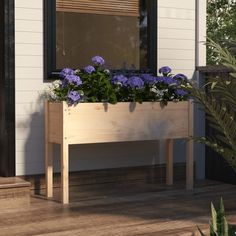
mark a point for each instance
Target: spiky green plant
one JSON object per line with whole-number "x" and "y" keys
{"x": 218, "y": 223}
{"x": 218, "y": 99}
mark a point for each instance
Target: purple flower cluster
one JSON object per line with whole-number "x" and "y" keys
{"x": 98, "y": 61}
{"x": 149, "y": 79}
{"x": 135, "y": 82}
{"x": 135, "y": 87}
{"x": 180, "y": 92}
{"x": 66, "y": 71}
{"x": 73, "y": 79}
{"x": 168, "y": 80}
{"x": 89, "y": 69}
{"x": 70, "y": 77}
{"x": 165, "y": 70}
{"x": 73, "y": 96}
{"x": 119, "y": 79}
{"x": 180, "y": 77}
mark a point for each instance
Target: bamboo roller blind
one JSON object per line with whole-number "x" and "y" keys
{"x": 104, "y": 7}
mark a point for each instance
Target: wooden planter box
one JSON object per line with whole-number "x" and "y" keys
{"x": 100, "y": 123}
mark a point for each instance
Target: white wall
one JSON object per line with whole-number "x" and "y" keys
{"x": 176, "y": 48}
{"x": 181, "y": 36}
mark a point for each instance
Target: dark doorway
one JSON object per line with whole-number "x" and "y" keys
{"x": 7, "y": 88}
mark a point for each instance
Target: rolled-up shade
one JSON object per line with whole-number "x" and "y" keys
{"x": 104, "y": 7}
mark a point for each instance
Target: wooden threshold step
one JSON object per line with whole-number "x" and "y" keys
{"x": 14, "y": 192}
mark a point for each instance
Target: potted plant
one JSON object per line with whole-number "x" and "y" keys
{"x": 94, "y": 106}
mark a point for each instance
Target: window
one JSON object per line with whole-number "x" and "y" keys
{"x": 123, "y": 32}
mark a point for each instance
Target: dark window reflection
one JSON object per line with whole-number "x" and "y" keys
{"x": 121, "y": 40}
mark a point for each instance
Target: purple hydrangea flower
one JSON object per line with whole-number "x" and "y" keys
{"x": 74, "y": 96}
{"x": 165, "y": 70}
{"x": 149, "y": 79}
{"x": 119, "y": 79}
{"x": 180, "y": 92}
{"x": 135, "y": 82}
{"x": 159, "y": 79}
{"x": 168, "y": 80}
{"x": 89, "y": 69}
{"x": 98, "y": 61}
{"x": 66, "y": 71}
{"x": 180, "y": 77}
{"x": 73, "y": 79}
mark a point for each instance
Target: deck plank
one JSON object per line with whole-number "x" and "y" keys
{"x": 127, "y": 209}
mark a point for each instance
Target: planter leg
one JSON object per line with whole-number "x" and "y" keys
{"x": 189, "y": 165}
{"x": 169, "y": 161}
{"x": 189, "y": 151}
{"x": 49, "y": 168}
{"x": 64, "y": 173}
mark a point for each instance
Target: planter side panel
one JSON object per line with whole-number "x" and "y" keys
{"x": 55, "y": 122}
{"x": 97, "y": 123}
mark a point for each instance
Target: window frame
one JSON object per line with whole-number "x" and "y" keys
{"x": 49, "y": 41}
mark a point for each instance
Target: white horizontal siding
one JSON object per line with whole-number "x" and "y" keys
{"x": 176, "y": 32}
{"x": 32, "y": 50}
{"x": 29, "y": 37}
{"x": 176, "y": 54}
{"x": 176, "y": 13}
{"x": 28, "y": 4}
{"x": 168, "y": 23}
{"x": 27, "y": 72}
{"x": 179, "y": 44}
{"x": 24, "y": 109}
{"x": 29, "y": 84}
{"x": 29, "y": 61}
{"x": 176, "y": 45}
{"x": 27, "y": 26}
{"x": 177, "y": 4}
{"x": 29, "y": 13}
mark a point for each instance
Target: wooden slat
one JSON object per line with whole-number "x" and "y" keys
{"x": 65, "y": 158}
{"x": 127, "y": 209}
{"x": 48, "y": 154}
{"x": 169, "y": 161}
{"x": 97, "y": 123}
{"x": 65, "y": 173}
{"x": 55, "y": 122}
{"x": 104, "y": 7}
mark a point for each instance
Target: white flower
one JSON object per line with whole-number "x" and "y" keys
{"x": 107, "y": 71}
{"x": 159, "y": 93}
{"x": 56, "y": 83}
{"x": 77, "y": 71}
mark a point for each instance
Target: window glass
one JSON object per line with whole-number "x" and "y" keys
{"x": 115, "y": 30}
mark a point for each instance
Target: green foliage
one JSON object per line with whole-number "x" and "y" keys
{"x": 218, "y": 223}
{"x": 218, "y": 99}
{"x": 94, "y": 83}
{"x": 97, "y": 87}
{"x": 221, "y": 21}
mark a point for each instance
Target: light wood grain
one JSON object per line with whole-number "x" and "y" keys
{"x": 169, "y": 161}
{"x": 99, "y": 123}
{"x": 48, "y": 154}
{"x": 55, "y": 122}
{"x": 65, "y": 173}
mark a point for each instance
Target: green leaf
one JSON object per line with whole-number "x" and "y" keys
{"x": 213, "y": 84}
{"x": 214, "y": 218}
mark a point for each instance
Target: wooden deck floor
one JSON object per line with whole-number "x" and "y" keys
{"x": 120, "y": 209}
